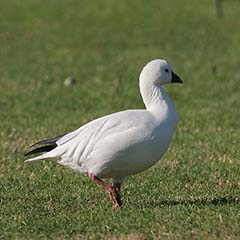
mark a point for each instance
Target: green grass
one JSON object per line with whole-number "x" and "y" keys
{"x": 194, "y": 192}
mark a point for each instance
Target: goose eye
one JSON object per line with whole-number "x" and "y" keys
{"x": 166, "y": 70}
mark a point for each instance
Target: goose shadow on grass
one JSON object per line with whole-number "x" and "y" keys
{"x": 204, "y": 201}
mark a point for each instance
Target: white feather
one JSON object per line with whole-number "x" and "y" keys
{"x": 123, "y": 143}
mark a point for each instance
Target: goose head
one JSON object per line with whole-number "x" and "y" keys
{"x": 158, "y": 72}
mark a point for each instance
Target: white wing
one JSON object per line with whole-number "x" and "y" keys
{"x": 116, "y": 145}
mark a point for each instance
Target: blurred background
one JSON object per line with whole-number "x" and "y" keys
{"x": 103, "y": 45}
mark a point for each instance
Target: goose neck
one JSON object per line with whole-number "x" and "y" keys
{"x": 153, "y": 97}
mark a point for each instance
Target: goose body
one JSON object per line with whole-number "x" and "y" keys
{"x": 122, "y": 143}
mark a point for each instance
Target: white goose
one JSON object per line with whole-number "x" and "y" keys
{"x": 122, "y": 143}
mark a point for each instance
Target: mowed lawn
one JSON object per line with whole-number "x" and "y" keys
{"x": 194, "y": 192}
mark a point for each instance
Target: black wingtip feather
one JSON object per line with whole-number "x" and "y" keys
{"x": 47, "y": 141}
{"x": 45, "y": 145}
{"x": 42, "y": 149}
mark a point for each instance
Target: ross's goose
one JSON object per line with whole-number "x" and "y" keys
{"x": 122, "y": 143}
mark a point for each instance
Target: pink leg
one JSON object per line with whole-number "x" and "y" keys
{"x": 117, "y": 188}
{"x": 113, "y": 190}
